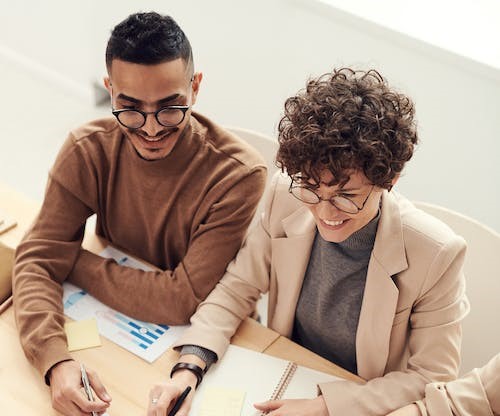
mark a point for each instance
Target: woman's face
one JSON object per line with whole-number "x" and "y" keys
{"x": 335, "y": 225}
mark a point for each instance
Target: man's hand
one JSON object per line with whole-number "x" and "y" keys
{"x": 296, "y": 407}
{"x": 68, "y": 396}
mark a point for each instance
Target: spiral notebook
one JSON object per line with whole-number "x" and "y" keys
{"x": 243, "y": 377}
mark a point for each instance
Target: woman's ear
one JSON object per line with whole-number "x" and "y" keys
{"x": 393, "y": 182}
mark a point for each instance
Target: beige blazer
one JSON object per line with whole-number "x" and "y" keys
{"x": 409, "y": 327}
{"x": 475, "y": 394}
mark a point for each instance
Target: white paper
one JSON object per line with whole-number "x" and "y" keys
{"x": 144, "y": 339}
{"x": 257, "y": 375}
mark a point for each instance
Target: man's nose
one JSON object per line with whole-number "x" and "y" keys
{"x": 151, "y": 126}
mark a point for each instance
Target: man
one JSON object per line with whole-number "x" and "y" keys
{"x": 167, "y": 185}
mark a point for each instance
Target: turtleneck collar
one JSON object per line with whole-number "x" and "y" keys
{"x": 364, "y": 238}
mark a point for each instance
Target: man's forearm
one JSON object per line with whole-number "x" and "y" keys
{"x": 153, "y": 296}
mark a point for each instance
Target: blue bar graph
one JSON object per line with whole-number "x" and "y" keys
{"x": 73, "y": 298}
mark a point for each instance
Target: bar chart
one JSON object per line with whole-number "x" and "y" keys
{"x": 147, "y": 340}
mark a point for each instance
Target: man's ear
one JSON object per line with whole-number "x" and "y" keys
{"x": 197, "y": 77}
{"x": 107, "y": 84}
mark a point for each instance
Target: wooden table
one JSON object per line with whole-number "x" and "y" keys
{"x": 19, "y": 207}
{"x": 23, "y": 210}
{"x": 127, "y": 377}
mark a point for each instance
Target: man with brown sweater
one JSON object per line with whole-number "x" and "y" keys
{"x": 167, "y": 185}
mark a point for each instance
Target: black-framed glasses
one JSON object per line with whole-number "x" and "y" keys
{"x": 170, "y": 116}
{"x": 342, "y": 203}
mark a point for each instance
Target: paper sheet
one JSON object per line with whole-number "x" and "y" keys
{"x": 219, "y": 401}
{"x": 82, "y": 334}
{"x": 144, "y": 339}
{"x": 257, "y": 375}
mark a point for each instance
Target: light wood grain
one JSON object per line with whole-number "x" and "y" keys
{"x": 127, "y": 377}
{"x": 289, "y": 350}
{"x": 19, "y": 207}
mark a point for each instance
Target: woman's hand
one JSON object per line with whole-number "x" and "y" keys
{"x": 295, "y": 407}
{"x": 162, "y": 396}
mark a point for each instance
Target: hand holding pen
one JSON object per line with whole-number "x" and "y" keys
{"x": 179, "y": 401}
{"x": 167, "y": 399}
{"x": 86, "y": 387}
{"x": 66, "y": 383}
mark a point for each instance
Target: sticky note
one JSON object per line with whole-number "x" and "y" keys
{"x": 218, "y": 401}
{"x": 82, "y": 334}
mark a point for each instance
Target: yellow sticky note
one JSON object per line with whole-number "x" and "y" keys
{"x": 218, "y": 401}
{"x": 82, "y": 334}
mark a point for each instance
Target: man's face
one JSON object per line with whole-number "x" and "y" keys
{"x": 149, "y": 88}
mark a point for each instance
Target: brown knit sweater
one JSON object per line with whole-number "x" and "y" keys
{"x": 187, "y": 214}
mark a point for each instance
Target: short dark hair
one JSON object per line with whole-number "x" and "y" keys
{"x": 347, "y": 120}
{"x": 148, "y": 38}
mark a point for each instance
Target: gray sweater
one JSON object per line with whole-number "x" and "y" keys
{"x": 327, "y": 314}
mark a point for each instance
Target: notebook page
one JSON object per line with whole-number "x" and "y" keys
{"x": 304, "y": 384}
{"x": 221, "y": 402}
{"x": 256, "y": 376}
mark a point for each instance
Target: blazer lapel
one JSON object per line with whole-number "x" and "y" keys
{"x": 381, "y": 294}
{"x": 290, "y": 258}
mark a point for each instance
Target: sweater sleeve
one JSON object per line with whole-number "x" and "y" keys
{"x": 173, "y": 295}
{"x": 434, "y": 344}
{"x": 43, "y": 260}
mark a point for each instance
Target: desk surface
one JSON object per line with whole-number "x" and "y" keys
{"x": 127, "y": 377}
{"x": 19, "y": 207}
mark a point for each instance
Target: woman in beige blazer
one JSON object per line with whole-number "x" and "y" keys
{"x": 475, "y": 394}
{"x": 345, "y": 139}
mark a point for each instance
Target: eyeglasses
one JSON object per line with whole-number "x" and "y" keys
{"x": 170, "y": 116}
{"x": 342, "y": 203}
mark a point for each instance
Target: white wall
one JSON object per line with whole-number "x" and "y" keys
{"x": 256, "y": 53}
{"x": 468, "y": 28}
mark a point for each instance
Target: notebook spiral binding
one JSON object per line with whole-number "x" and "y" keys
{"x": 285, "y": 379}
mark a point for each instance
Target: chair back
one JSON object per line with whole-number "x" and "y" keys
{"x": 481, "y": 336}
{"x": 267, "y": 147}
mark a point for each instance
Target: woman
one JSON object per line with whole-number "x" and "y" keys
{"x": 476, "y": 394}
{"x": 354, "y": 271}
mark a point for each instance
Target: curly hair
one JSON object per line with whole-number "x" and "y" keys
{"x": 343, "y": 121}
{"x": 148, "y": 38}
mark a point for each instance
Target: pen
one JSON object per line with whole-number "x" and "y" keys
{"x": 179, "y": 401}
{"x": 86, "y": 386}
